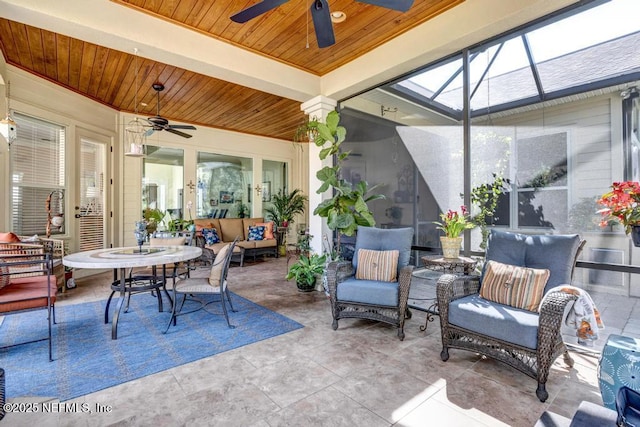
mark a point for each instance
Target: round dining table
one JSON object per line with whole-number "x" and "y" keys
{"x": 122, "y": 258}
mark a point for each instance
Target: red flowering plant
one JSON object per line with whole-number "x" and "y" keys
{"x": 622, "y": 203}
{"x": 454, "y": 223}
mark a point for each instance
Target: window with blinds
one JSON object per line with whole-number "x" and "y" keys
{"x": 37, "y": 171}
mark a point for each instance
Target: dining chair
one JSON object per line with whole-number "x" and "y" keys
{"x": 203, "y": 290}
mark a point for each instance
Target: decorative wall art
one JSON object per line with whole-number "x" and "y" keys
{"x": 226, "y": 197}
{"x": 266, "y": 191}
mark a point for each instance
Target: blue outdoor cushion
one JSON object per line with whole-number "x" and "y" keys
{"x": 496, "y": 320}
{"x": 210, "y": 236}
{"x": 379, "y": 239}
{"x": 554, "y": 252}
{"x": 368, "y": 292}
{"x": 256, "y": 232}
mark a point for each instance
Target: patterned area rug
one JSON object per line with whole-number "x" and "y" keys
{"x": 86, "y": 359}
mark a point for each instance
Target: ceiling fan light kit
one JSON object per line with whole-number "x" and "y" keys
{"x": 158, "y": 123}
{"x": 323, "y": 19}
{"x": 338, "y": 17}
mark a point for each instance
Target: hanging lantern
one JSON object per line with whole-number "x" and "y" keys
{"x": 135, "y": 134}
{"x": 8, "y": 127}
{"x": 135, "y": 138}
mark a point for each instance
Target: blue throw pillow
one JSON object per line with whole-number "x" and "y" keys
{"x": 210, "y": 236}
{"x": 256, "y": 232}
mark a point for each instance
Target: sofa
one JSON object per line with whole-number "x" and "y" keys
{"x": 228, "y": 229}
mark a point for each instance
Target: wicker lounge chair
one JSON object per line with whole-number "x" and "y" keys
{"x": 383, "y": 301}
{"x": 526, "y": 340}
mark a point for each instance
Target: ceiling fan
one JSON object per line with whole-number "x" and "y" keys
{"x": 320, "y": 14}
{"x": 158, "y": 122}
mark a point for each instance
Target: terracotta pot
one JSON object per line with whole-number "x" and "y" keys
{"x": 450, "y": 246}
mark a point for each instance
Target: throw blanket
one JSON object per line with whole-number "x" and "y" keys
{"x": 583, "y": 316}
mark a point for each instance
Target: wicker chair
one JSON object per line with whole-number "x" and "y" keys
{"x": 372, "y": 299}
{"x": 528, "y": 341}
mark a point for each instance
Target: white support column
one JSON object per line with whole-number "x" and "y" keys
{"x": 317, "y": 108}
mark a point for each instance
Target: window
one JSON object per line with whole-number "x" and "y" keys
{"x": 224, "y": 186}
{"x": 541, "y": 181}
{"x": 37, "y": 171}
{"x": 163, "y": 180}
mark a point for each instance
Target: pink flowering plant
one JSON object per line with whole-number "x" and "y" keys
{"x": 621, "y": 204}
{"x": 454, "y": 223}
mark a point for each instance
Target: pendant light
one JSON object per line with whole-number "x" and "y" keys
{"x": 134, "y": 133}
{"x": 8, "y": 127}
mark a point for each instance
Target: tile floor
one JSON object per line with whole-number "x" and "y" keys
{"x": 359, "y": 375}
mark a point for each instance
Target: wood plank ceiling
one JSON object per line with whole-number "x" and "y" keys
{"x": 108, "y": 76}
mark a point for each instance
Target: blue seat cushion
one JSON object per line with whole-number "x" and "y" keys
{"x": 372, "y": 292}
{"x": 496, "y": 320}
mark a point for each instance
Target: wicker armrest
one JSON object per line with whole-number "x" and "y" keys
{"x": 551, "y": 315}
{"x": 452, "y": 286}
{"x": 404, "y": 285}
{"x": 337, "y": 271}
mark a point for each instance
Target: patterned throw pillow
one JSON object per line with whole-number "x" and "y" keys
{"x": 256, "y": 232}
{"x": 520, "y": 287}
{"x": 377, "y": 265}
{"x": 210, "y": 236}
{"x": 4, "y": 278}
{"x": 268, "y": 229}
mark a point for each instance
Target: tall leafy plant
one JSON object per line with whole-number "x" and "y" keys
{"x": 348, "y": 208}
{"x": 486, "y": 197}
{"x": 284, "y": 206}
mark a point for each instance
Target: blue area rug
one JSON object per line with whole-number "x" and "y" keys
{"x": 86, "y": 359}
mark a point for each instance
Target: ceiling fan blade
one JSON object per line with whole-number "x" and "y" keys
{"x": 322, "y": 23}
{"x": 149, "y": 132}
{"x": 182, "y": 127}
{"x": 399, "y": 5}
{"x": 256, "y": 10}
{"x": 177, "y": 132}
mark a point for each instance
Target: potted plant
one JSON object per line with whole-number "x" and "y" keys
{"x": 153, "y": 217}
{"x": 306, "y": 270}
{"x": 622, "y": 204}
{"x": 486, "y": 197}
{"x": 453, "y": 224}
{"x": 347, "y": 208}
{"x": 284, "y": 206}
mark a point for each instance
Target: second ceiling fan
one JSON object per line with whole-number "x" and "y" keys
{"x": 320, "y": 14}
{"x": 158, "y": 122}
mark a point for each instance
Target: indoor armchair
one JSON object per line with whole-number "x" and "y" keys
{"x": 515, "y": 332}
{"x": 375, "y": 285}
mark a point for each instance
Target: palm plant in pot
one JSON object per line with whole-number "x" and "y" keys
{"x": 284, "y": 206}
{"x": 306, "y": 270}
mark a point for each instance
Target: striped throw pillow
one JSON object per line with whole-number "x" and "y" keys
{"x": 520, "y": 287}
{"x": 377, "y": 265}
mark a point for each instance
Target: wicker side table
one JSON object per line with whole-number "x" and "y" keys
{"x": 460, "y": 265}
